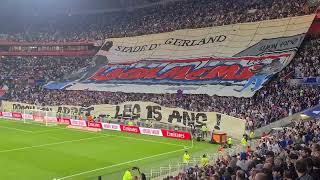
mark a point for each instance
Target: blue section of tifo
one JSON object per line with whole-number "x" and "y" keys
{"x": 58, "y": 85}
{"x": 313, "y": 112}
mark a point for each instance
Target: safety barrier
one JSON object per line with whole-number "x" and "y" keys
{"x": 174, "y": 169}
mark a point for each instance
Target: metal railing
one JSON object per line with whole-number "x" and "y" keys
{"x": 174, "y": 169}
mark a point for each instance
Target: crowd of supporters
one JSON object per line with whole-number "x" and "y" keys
{"x": 289, "y": 154}
{"x": 278, "y": 99}
{"x": 307, "y": 61}
{"x": 23, "y": 77}
{"x": 167, "y": 17}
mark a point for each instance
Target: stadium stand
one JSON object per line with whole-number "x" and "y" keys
{"x": 276, "y": 100}
{"x": 291, "y": 153}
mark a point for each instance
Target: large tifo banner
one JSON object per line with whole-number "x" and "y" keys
{"x": 144, "y": 110}
{"x": 233, "y": 60}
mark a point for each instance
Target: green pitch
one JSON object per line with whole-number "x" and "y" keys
{"x": 37, "y": 152}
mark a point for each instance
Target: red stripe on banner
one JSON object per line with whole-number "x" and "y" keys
{"x": 63, "y": 121}
{"x": 2, "y": 92}
{"x": 130, "y": 129}
{"x": 93, "y": 124}
{"x": 176, "y": 134}
{"x": 17, "y": 115}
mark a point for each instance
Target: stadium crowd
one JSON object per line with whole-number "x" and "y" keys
{"x": 169, "y": 16}
{"x": 276, "y": 100}
{"x": 292, "y": 153}
{"x": 28, "y": 74}
{"x": 307, "y": 61}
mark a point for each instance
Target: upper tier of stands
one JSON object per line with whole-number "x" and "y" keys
{"x": 155, "y": 19}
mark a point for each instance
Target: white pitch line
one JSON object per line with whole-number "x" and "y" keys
{"x": 50, "y": 144}
{"x": 17, "y": 129}
{"x": 120, "y": 164}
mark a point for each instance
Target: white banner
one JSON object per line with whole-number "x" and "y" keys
{"x": 150, "y": 131}
{"x": 78, "y": 123}
{"x": 109, "y": 126}
{"x": 232, "y": 60}
{"x": 144, "y": 110}
{"x": 27, "y": 116}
